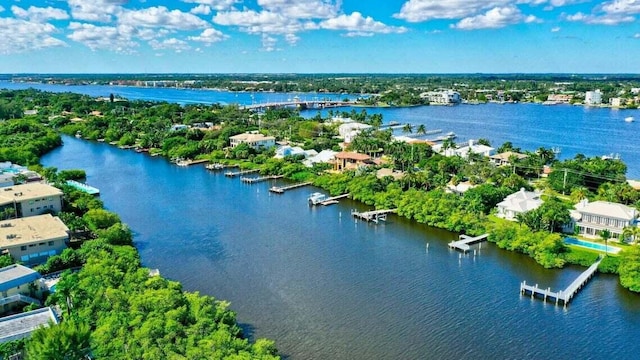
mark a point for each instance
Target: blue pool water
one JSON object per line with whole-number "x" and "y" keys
{"x": 590, "y": 245}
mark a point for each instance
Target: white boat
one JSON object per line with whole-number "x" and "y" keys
{"x": 629, "y": 119}
{"x": 316, "y": 198}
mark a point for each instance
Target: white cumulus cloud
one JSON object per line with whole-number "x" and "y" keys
{"x": 424, "y": 10}
{"x": 161, "y": 17}
{"x": 111, "y": 38}
{"x": 302, "y": 9}
{"x": 601, "y": 19}
{"x": 95, "y": 10}
{"x": 356, "y": 24}
{"x": 215, "y": 4}
{"x": 174, "y": 44}
{"x": 20, "y": 35}
{"x": 495, "y": 18}
{"x": 201, "y": 10}
{"x": 209, "y": 36}
{"x": 39, "y": 14}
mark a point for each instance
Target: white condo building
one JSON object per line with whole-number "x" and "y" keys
{"x": 593, "y": 97}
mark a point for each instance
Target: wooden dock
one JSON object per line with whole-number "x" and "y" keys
{"x": 374, "y": 215}
{"x": 243, "y": 172}
{"x": 282, "y": 189}
{"x": 465, "y": 240}
{"x": 191, "y": 162}
{"x": 254, "y": 180}
{"x": 332, "y": 200}
{"x": 563, "y": 295}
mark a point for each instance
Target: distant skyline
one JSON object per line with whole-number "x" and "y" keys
{"x": 319, "y": 36}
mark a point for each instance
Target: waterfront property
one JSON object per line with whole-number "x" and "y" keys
{"x": 254, "y": 139}
{"x": 563, "y": 295}
{"x": 31, "y": 199}
{"x": 19, "y": 326}
{"x": 32, "y": 240}
{"x": 591, "y": 245}
{"x": 444, "y": 97}
{"x": 506, "y": 157}
{"x": 18, "y": 285}
{"x": 349, "y": 130}
{"x": 350, "y": 160}
{"x": 518, "y": 203}
{"x": 591, "y": 218}
{"x": 463, "y": 150}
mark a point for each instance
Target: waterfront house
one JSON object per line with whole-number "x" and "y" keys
{"x": 31, "y": 240}
{"x": 592, "y": 217}
{"x": 348, "y": 131}
{"x": 18, "y": 285}
{"x": 351, "y": 160}
{"x": 19, "y": 326}
{"x": 254, "y": 139}
{"x": 286, "y": 150}
{"x": 444, "y": 97}
{"x": 518, "y": 203}
{"x": 31, "y": 199}
{"x": 505, "y": 158}
{"x": 593, "y": 98}
{"x": 617, "y": 102}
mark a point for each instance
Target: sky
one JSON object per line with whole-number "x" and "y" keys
{"x": 319, "y": 36}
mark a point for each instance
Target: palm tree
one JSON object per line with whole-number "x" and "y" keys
{"x": 605, "y": 235}
{"x": 422, "y": 130}
{"x": 407, "y": 128}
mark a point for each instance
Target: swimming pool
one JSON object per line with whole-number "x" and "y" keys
{"x": 591, "y": 245}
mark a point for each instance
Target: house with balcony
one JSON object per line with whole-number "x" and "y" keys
{"x": 31, "y": 199}
{"x": 31, "y": 240}
{"x": 504, "y": 159}
{"x": 351, "y": 160}
{"x": 518, "y": 203}
{"x": 254, "y": 139}
{"x": 19, "y": 285}
{"x": 590, "y": 218}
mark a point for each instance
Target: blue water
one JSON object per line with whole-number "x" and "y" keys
{"x": 591, "y": 245}
{"x": 573, "y": 129}
{"x": 324, "y": 286}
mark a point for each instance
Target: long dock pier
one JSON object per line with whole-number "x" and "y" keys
{"x": 373, "y": 216}
{"x": 333, "y": 200}
{"x": 254, "y": 180}
{"x": 563, "y": 295}
{"x": 243, "y": 172}
{"x": 282, "y": 189}
{"x": 465, "y": 240}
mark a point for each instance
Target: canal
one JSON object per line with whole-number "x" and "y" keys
{"x": 324, "y": 286}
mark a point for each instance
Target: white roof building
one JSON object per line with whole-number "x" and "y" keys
{"x": 349, "y": 130}
{"x": 518, "y": 203}
{"x": 255, "y": 140}
{"x": 286, "y": 150}
{"x": 324, "y": 156}
{"x": 593, "y": 97}
{"x": 463, "y": 151}
{"x": 593, "y": 217}
{"x": 16, "y": 327}
{"x": 442, "y": 97}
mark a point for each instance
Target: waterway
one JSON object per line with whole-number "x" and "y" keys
{"x": 571, "y": 129}
{"x": 324, "y": 286}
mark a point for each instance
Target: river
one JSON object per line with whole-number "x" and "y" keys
{"x": 324, "y": 286}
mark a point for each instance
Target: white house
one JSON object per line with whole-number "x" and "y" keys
{"x": 255, "y": 140}
{"x": 348, "y": 131}
{"x": 593, "y": 98}
{"x": 18, "y": 285}
{"x": 518, "y": 203}
{"x": 593, "y": 217}
{"x": 324, "y": 156}
{"x": 442, "y": 97}
{"x": 472, "y": 147}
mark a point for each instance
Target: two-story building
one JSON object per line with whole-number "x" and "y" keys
{"x": 350, "y": 160}
{"x": 255, "y": 140}
{"x": 33, "y": 239}
{"x": 591, "y": 218}
{"x": 18, "y": 285}
{"x": 518, "y": 203}
{"x": 31, "y": 199}
{"x": 505, "y": 158}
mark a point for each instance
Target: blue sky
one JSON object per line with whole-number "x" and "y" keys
{"x": 309, "y": 36}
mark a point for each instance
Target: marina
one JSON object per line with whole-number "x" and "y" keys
{"x": 563, "y": 295}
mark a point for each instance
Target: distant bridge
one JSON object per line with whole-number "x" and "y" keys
{"x": 298, "y": 104}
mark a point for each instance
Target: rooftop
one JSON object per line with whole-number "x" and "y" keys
{"x": 31, "y": 229}
{"x": 608, "y": 209}
{"x": 14, "y": 275}
{"x": 19, "y": 326}
{"x": 28, "y": 191}
{"x": 507, "y": 155}
{"x": 251, "y": 137}
{"x": 352, "y": 156}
